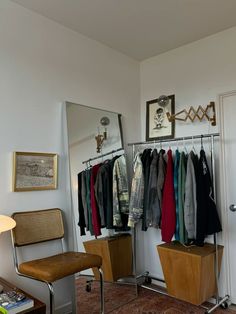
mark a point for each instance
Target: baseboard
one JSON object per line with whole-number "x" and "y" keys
{"x": 64, "y": 309}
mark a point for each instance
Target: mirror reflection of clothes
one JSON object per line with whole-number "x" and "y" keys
{"x": 96, "y": 220}
{"x": 81, "y": 222}
{"x": 103, "y": 192}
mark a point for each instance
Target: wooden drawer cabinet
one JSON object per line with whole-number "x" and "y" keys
{"x": 39, "y": 307}
{"x": 116, "y": 253}
{"x": 189, "y": 272}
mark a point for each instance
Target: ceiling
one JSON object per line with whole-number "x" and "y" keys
{"x": 139, "y": 28}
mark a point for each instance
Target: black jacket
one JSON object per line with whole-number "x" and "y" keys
{"x": 208, "y": 221}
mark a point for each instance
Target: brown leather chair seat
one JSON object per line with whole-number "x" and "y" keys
{"x": 59, "y": 266}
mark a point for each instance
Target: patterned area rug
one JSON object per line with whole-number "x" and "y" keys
{"x": 121, "y": 299}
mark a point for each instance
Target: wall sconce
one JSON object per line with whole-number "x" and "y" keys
{"x": 101, "y": 137}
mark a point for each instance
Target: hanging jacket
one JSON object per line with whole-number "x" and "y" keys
{"x": 120, "y": 193}
{"x": 137, "y": 193}
{"x": 88, "y": 200}
{"x": 168, "y": 202}
{"x": 153, "y": 211}
{"x": 103, "y": 193}
{"x": 146, "y": 160}
{"x": 83, "y": 196}
{"x": 96, "y": 222}
{"x": 81, "y": 222}
{"x": 181, "y": 196}
{"x": 207, "y": 216}
{"x": 190, "y": 202}
{"x": 176, "y": 176}
{"x": 161, "y": 173}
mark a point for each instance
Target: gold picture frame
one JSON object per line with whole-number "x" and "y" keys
{"x": 34, "y": 171}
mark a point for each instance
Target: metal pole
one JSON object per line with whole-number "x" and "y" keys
{"x": 100, "y": 156}
{"x": 215, "y": 235}
{"x": 175, "y": 139}
{"x": 134, "y": 239}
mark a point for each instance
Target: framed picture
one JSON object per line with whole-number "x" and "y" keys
{"x": 34, "y": 171}
{"x": 157, "y": 123}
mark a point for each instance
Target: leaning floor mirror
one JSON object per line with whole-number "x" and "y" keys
{"x": 95, "y": 142}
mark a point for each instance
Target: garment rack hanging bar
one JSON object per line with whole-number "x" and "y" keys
{"x": 183, "y": 138}
{"x": 103, "y": 155}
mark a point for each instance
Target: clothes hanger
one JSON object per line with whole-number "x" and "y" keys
{"x": 193, "y": 147}
{"x": 160, "y": 145}
{"x": 177, "y": 145}
{"x": 184, "y": 146}
{"x": 88, "y": 164}
{"x": 154, "y": 146}
{"x": 202, "y": 142}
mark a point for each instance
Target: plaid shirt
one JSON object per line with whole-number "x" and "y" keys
{"x": 120, "y": 191}
{"x": 137, "y": 193}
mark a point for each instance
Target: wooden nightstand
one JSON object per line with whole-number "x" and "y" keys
{"x": 39, "y": 307}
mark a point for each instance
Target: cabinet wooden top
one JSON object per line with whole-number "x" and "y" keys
{"x": 205, "y": 250}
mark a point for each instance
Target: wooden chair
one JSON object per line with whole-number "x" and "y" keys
{"x": 33, "y": 227}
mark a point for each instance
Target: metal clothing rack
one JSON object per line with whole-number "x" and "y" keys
{"x": 102, "y": 155}
{"x": 219, "y": 301}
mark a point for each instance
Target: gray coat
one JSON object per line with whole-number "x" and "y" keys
{"x": 190, "y": 202}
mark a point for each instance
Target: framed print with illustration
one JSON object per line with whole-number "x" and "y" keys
{"x": 34, "y": 171}
{"x": 157, "y": 123}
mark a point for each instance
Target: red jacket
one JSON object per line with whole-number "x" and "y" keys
{"x": 96, "y": 221}
{"x": 168, "y": 221}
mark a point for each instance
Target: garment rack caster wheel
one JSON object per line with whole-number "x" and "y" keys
{"x": 224, "y": 305}
{"x": 88, "y": 286}
{"x": 148, "y": 280}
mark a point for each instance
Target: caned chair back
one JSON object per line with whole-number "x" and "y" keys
{"x": 37, "y": 226}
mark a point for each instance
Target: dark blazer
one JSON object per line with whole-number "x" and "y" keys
{"x": 208, "y": 221}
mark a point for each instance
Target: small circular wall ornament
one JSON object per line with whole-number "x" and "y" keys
{"x": 163, "y": 100}
{"x": 105, "y": 121}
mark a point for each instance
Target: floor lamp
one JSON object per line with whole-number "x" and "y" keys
{"x": 6, "y": 223}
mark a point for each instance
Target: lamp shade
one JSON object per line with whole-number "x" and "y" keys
{"x": 6, "y": 223}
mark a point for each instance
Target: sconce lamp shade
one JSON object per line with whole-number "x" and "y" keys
{"x": 6, "y": 223}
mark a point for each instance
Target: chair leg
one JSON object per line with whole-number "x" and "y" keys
{"x": 101, "y": 291}
{"x": 50, "y": 287}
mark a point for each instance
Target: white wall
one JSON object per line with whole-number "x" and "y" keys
{"x": 43, "y": 64}
{"x": 196, "y": 73}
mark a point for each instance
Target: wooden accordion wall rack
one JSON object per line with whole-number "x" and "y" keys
{"x": 192, "y": 114}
